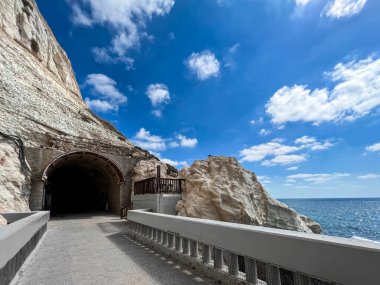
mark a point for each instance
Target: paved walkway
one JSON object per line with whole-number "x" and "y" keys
{"x": 96, "y": 250}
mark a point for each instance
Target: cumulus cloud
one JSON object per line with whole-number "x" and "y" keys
{"x": 158, "y": 94}
{"x": 144, "y": 139}
{"x": 175, "y": 163}
{"x": 127, "y": 20}
{"x": 369, "y": 176}
{"x": 373, "y": 148}
{"x": 109, "y": 98}
{"x": 343, "y": 8}
{"x": 264, "y": 179}
{"x": 292, "y": 168}
{"x": 276, "y": 152}
{"x": 102, "y": 55}
{"x": 204, "y": 65}
{"x": 258, "y": 121}
{"x": 316, "y": 178}
{"x": 187, "y": 142}
{"x": 264, "y": 132}
{"x": 302, "y": 3}
{"x": 355, "y": 94}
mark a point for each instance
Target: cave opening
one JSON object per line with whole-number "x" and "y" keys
{"x": 80, "y": 183}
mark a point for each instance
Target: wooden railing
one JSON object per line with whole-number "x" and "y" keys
{"x": 158, "y": 185}
{"x": 124, "y": 210}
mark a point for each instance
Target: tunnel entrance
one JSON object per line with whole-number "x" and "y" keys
{"x": 82, "y": 182}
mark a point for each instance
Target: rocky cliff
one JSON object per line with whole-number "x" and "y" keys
{"x": 40, "y": 101}
{"x": 219, "y": 188}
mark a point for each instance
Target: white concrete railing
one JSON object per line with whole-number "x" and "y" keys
{"x": 306, "y": 256}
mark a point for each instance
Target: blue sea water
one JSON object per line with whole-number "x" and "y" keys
{"x": 352, "y": 218}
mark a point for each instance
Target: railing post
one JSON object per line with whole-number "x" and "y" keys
{"x": 159, "y": 236}
{"x": 158, "y": 179}
{"x": 185, "y": 246}
{"x": 194, "y": 249}
{"x": 164, "y": 238}
{"x": 273, "y": 274}
{"x": 150, "y": 233}
{"x": 218, "y": 258}
{"x": 178, "y": 243}
{"x": 170, "y": 240}
{"x": 233, "y": 266}
{"x": 300, "y": 279}
{"x": 251, "y": 270}
{"x": 206, "y": 255}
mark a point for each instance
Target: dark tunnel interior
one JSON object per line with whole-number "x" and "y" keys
{"x": 76, "y": 189}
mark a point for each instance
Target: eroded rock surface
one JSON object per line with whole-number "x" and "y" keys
{"x": 3, "y": 221}
{"x": 13, "y": 180}
{"x": 219, "y": 188}
{"x": 148, "y": 168}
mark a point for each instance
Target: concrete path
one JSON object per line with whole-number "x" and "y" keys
{"x": 96, "y": 250}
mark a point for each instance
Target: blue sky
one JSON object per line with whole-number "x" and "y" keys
{"x": 289, "y": 87}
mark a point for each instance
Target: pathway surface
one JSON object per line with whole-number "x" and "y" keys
{"x": 96, "y": 250}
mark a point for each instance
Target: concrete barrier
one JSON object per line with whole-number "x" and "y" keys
{"x": 333, "y": 259}
{"x": 18, "y": 239}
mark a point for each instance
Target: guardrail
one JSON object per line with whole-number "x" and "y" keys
{"x": 158, "y": 185}
{"x": 124, "y": 210}
{"x": 18, "y": 239}
{"x": 258, "y": 255}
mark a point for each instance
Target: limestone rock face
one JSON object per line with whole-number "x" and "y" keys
{"x": 39, "y": 95}
{"x": 219, "y": 188}
{"x": 3, "y": 221}
{"x": 148, "y": 168}
{"x": 13, "y": 181}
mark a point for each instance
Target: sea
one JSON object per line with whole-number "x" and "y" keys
{"x": 357, "y": 218}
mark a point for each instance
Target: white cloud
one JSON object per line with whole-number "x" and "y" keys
{"x": 264, "y": 179}
{"x": 285, "y": 159}
{"x": 343, "y": 8}
{"x": 158, "y": 94}
{"x": 369, "y": 176}
{"x": 126, "y": 19}
{"x": 375, "y": 147}
{"x": 157, "y": 113}
{"x": 103, "y": 87}
{"x": 316, "y": 178}
{"x": 174, "y": 163}
{"x": 102, "y": 55}
{"x": 292, "y": 168}
{"x": 203, "y": 64}
{"x": 187, "y": 142}
{"x": 264, "y": 132}
{"x": 100, "y": 105}
{"x": 258, "y": 121}
{"x": 276, "y": 152}
{"x": 144, "y": 139}
{"x": 313, "y": 144}
{"x": 261, "y": 151}
{"x": 301, "y": 3}
{"x": 356, "y": 94}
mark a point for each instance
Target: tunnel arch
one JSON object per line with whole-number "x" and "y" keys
{"x": 82, "y": 181}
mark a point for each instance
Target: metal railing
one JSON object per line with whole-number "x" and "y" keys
{"x": 124, "y": 210}
{"x": 249, "y": 254}
{"x": 158, "y": 185}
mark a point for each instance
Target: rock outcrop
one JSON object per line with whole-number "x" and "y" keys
{"x": 3, "y": 221}
{"x": 219, "y": 188}
{"x": 13, "y": 180}
{"x": 148, "y": 168}
{"x": 40, "y": 101}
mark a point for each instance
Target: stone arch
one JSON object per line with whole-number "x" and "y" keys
{"x": 82, "y": 181}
